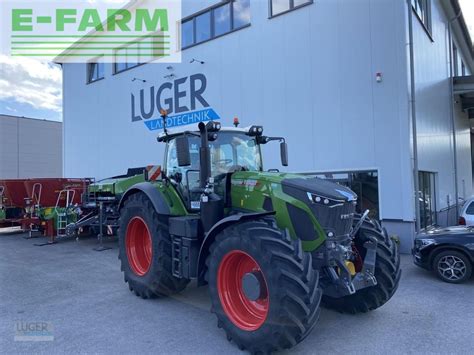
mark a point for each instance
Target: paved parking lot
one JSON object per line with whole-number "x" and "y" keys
{"x": 82, "y": 294}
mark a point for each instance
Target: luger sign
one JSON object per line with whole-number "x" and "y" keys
{"x": 183, "y": 99}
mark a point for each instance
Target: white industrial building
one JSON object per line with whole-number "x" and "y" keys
{"x": 333, "y": 76}
{"x": 30, "y": 148}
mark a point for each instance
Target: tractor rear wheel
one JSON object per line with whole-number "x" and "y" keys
{"x": 145, "y": 250}
{"x": 387, "y": 272}
{"x": 263, "y": 288}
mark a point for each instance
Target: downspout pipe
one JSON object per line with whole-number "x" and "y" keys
{"x": 413, "y": 119}
{"x": 453, "y": 119}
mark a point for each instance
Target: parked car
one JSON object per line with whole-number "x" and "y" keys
{"x": 448, "y": 252}
{"x": 467, "y": 213}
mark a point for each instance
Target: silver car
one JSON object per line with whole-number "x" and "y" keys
{"x": 467, "y": 213}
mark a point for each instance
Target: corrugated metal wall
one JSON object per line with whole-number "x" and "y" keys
{"x": 30, "y": 148}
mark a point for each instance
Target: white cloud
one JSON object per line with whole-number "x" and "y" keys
{"x": 11, "y": 109}
{"x": 30, "y": 81}
{"x": 467, "y": 7}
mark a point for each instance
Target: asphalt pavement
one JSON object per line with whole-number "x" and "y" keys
{"x": 77, "y": 299}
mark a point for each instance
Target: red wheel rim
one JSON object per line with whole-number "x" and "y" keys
{"x": 138, "y": 245}
{"x": 244, "y": 313}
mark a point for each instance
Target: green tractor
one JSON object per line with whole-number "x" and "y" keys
{"x": 271, "y": 246}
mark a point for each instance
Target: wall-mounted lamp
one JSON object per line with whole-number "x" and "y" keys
{"x": 142, "y": 80}
{"x": 378, "y": 77}
{"x": 196, "y": 61}
{"x": 170, "y": 76}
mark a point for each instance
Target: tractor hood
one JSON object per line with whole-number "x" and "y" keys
{"x": 305, "y": 183}
{"x": 320, "y": 187}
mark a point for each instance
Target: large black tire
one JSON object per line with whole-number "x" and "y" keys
{"x": 291, "y": 286}
{"x": 155, "y": 278}
{"x": 387, "y": 272}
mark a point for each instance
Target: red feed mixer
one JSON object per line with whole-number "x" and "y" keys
{"x": 22, "y": 198}
{"x": 14, "y": 193}
{"x": 12, "y": 200}
{"x": 47, "y": 190}
{"x": 45, "y": 196}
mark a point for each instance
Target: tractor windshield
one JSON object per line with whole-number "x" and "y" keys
{"x": 232, "y": 151}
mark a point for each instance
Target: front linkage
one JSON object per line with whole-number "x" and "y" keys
{"x": 338, "y": 259}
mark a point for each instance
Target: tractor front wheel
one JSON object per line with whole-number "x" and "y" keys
{"x": 263, "y": 288}
{"x": 387, "y": 272}
{"x": 145, "y": 250}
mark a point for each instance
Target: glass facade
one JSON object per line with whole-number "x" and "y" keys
{"x": 427, "y": 199}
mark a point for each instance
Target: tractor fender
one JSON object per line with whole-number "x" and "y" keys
{"x": 155, "y": 196}
{"x": 214, "y": 231}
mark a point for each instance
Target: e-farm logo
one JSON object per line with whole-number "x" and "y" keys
{"x": 81, "y": 31}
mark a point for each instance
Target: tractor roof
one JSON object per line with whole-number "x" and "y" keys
{"x": 163, "y": 137}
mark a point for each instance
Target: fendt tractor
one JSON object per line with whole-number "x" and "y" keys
{"x": 271, "y": 246}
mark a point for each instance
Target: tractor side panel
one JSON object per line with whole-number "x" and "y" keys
{"x": 116, "y": 186}
{"x": 172, "y": 198}
{"x": 255, "y": 192}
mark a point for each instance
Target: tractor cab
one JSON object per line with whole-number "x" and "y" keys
{"x": 230, "y": 150}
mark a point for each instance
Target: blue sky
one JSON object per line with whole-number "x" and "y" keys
{"x": 32, "y": 88}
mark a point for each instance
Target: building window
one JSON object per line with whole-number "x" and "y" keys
{"x": 364, "y": 183}
{"x": 278, "y": 7}
{"x": 187, "y": 33}
{"x": 455, "y": 60}
{"x": 95, "y": 70}
{"x": 139, "y": 52}
{"x": 241, "y": 13}
{"x": 423, "y": 10}
{"x": 203, "y": 27}
{"x": 427, "y": 198}
{"x": 222, "y": 22}
{"x": 218, "y": 20}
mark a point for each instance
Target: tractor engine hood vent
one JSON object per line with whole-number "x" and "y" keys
{"x": 332, "y": 204}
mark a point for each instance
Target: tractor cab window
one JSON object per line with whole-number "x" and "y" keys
{"x": 186, "y": 178}
{"x": 230, "y": 152}
{"x": 233, "y": 152}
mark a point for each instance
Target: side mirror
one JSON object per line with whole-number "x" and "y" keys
{"x": 284, "y": 153}
{"x": 182, "y": 151}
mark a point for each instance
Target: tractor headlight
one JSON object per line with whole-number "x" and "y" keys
{"x": 320, "y": 199}
{"x": 255, "y": 131}
{"x": 213, "y": 126}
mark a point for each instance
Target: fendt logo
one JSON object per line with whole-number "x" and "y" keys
{"x": 82, "y": 30}
{"x": 183, "y": 99}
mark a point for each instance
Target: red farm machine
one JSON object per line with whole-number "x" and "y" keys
{"x": 42, "y": 206}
